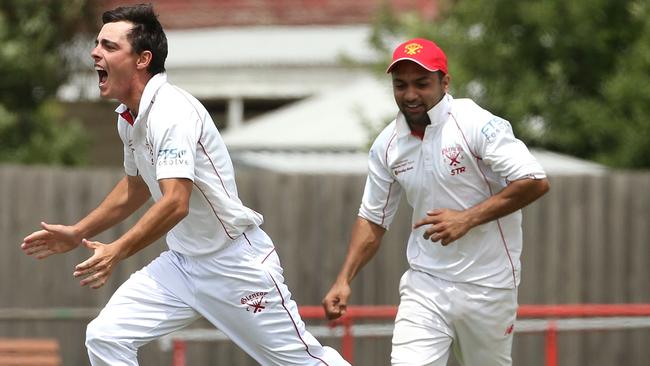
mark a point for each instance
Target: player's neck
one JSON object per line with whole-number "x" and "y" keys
{"x": 418, "y": 127}
{"x": 134, "y": 95}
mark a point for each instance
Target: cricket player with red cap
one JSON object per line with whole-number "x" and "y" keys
{"x": 466, "y": 177}
{"x": 220, "y": 265}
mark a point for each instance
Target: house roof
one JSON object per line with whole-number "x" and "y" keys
{"x": 331, "y": 132}
{"x": 337, "y": 120}
{"x": 250, "y": 62}
{"x": 357, "y": 162}
{"x": 266, "y": 62}
{"x": 185, "y": 14}
{"x": 262, "y": 46}
{"x": 255, "y": 49}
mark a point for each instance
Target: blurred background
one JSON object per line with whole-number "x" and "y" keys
{"x": 298, "y": 91}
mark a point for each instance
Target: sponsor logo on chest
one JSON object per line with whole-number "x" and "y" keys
{"x": 149, "y": 148}
{"x": 402, "y": 166}
{"x": 454, "y": 159}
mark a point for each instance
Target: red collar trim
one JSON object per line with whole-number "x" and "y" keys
{"x": 418, "y": 134}
{"x": 127, "y": 116}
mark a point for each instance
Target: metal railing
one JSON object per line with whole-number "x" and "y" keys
{"x": 548, "y": 319}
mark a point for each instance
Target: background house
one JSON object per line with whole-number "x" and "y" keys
{"x": 243, "y": 58}
{"x": 331, "y": 132}
{"x": 273, "y": 76}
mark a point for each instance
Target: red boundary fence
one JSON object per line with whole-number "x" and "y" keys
{"x": 551, "y": 314}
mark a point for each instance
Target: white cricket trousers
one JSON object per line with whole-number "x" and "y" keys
{"x": 435, "y": 316}
{"x": 240, "y": 289}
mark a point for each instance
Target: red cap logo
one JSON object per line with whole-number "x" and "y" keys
{"x": 421, "y": 51}
{"x": 412, "y": 48}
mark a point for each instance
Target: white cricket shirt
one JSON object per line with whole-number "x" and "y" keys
{"x": 174, "y": 136}
{"x": 466, "y": 155}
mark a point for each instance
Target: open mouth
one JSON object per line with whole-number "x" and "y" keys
{"x": 103, "y": 76}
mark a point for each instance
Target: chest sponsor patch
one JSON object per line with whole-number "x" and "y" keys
{"x": 454, "y": 158}
{"x": 402, "y": 166}
{"x": 149, "y": 147}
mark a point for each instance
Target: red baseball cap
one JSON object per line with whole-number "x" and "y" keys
{"x": 421, "y": 51}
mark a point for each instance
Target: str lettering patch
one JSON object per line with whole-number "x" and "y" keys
{"x": 254, "y": 301}
{"x": 453, "y": 155}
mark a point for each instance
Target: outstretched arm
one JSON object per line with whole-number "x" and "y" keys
{"x": 449, "y": 225}
{"x": 364, "y": 243}
{"x": 159, "y": 219}
{"x": 129, "y": 194}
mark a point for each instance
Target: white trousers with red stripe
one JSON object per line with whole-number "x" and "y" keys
{"x": 436, "y": 316}
{"x": 240, "y": 289}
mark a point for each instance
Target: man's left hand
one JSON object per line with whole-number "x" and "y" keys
{"x": 446, "y": 225}
{"x": 98, "y": 268}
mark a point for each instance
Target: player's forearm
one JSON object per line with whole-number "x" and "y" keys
{"x": 128, "y": 195}
{"x": 156, "y": 222}
{"x": 364, "y": 243}
{"x": 513, "y": 197}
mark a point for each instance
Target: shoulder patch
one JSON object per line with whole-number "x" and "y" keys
{"x": 494, "y": 128}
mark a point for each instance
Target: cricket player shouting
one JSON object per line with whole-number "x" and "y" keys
{"x": 220, "y": 264}
{"x": 466, "y": 177}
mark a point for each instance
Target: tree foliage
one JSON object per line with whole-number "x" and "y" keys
{"x": 34, "y": 38}
{"x": 571, "y": 76}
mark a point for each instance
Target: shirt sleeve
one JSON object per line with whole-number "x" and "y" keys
{"x": 174, "y": 139}
{"x": 506, "y": 155}
{"x": 382, "y": 192}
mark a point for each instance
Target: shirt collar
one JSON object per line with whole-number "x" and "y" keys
{"x": 438, "y": 115}
{"x": 147, "y": 99}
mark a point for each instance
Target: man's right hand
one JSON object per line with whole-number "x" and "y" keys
{"x": 335, "y": 302}
{"x": 53, "y": 239}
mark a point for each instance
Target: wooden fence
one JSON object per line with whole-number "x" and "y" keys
{"x": 586, "y": 241}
